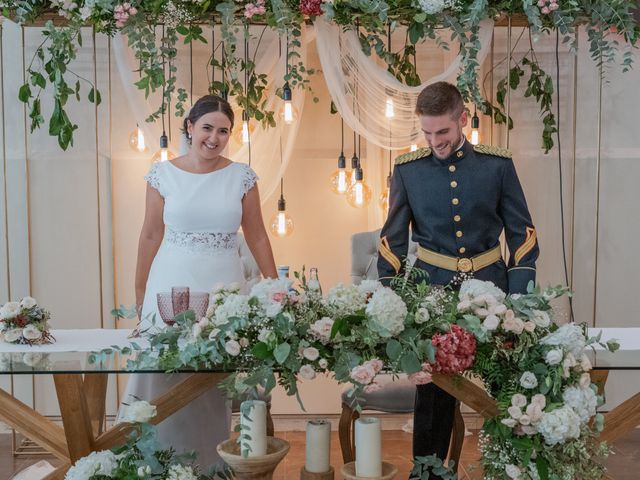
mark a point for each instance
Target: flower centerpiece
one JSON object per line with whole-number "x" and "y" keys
{"x": 24, "y": 322}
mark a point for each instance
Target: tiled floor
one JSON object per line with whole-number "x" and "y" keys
{"x": 623, "y": 465}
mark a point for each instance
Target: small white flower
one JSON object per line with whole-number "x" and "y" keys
{"x": 528, "y": 380}
{"x": 311, "y": 353}
{"x": 31, "y": 332}
{"x": 307, "y": 372}
{"x": 321, "y": 329}
{"x": 180, "y": 472}
{"x": 529, "y": 326}
{"x": 554, "y": 357}
{"x": 524, "y": 419}
{"x": 204, "y": 322}
{"x": 232, "y": 347}
{"x": 96, "y": 463}
{"x": 244, "y": 342}
{"x": 422, "y": 315}
{"x": 515, "y": 412}
{"x": 322, "y": 363}
{"x": 512, "y": 471}
{"x": 140, "y": 411}
{"x": 28, "y": 302}
{"x": 144, "y": 471}
{"x": 540, "y": 400}
{"x": 509, "y": 422}
{"x": 534, "y": 413}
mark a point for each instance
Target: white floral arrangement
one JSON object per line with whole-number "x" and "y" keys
{"x": 24, "y": 322}
{"x": 537, "y": 370}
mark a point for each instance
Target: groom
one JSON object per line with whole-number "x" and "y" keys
{"x": 457, "y": 199}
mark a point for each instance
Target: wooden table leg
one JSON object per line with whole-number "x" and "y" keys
{"x": 621, "y": 420}
{"x": 95, "y": 390}
{"x": 33, "y": 425}
{"x": 76, "y": 416}
{"x": 166, "y": 405}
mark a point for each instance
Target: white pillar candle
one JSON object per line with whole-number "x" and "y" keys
{"x": 253, "y": 428}
{"x": 368, "y": 447}
{"x": 318, "y": 446}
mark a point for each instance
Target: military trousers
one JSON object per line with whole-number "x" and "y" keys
{"x": 432, "y": 421}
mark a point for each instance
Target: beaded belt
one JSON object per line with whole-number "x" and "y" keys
{"x": 202, "y": 242}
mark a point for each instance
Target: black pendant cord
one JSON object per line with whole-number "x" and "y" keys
{"x": 164, "y": 80}
{"x": 224, "y": 72}
{"x": 341, "y": 137}
{"x": 191, "y": 73}
{"x": 281, "y": 172}
{"x": 246, "y": 93}
{"x": 564, "y": 248}
{"x": 213, "y": 58}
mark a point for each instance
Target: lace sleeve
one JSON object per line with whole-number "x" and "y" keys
{"x": 249, "y": 179}
{"x": 153, "y": 177}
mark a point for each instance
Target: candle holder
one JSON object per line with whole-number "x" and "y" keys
{"x": 305, "y": 475}
{"x": 253, "y": 468}
{"x": 389, "y": 471}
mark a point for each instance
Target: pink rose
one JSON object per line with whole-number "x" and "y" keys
{"x": 363, "y": 374}
{"x": 372, "y": 387}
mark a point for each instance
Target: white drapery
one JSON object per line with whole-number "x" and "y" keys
{"x": 266, "y": 157}
{"x": 361, "y": 88}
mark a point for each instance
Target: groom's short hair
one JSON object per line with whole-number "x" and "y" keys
{"x": 438, "y": 99}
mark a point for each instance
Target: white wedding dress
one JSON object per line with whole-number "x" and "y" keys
{"x": 202, "y": 215}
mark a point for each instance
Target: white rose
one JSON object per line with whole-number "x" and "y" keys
{"x": 138, "y": 412}
{"x": 422, "y": 315}
{"x": 31, "y": 332}
{"x": 519, "y": 400}
{"x": 481, "y": 312}
{"x": 512, "y": 471}
{"x": 491, "y": 322}
{"x": 13, "y": 335}
{"x": 311, "y": 353}
{"x": 534, "y": 413}
{"x": 307, "y": 372}
{"x": 28, "y": 302}
{"x": 528, "y": 380}
{"x": 244, "y": 342}
{"x": 464, "y": 305}
{"x": 232, "y": 347}
{"x": 515, "y": 412}
{"x": 554, "y": 357}
{"x": 499, "y": 309}
{"x": 540, "y": 400}
{"x": 10, "y": 310}
{"x": 509, "y": 422}
{"x": 541, "y": 318}
{"x": 525, "y": 419}
{"x": 322, "y": 363}
{"x": 204, "y": 322}
{"x": 529, "y": 326}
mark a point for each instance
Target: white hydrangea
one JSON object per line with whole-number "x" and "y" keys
{"x": 234, "y": 306}
{"x": 345, "y": 299}
{"x": 433, "y": 7}
{"x": 28, "y": 302}
{"x": 569, "y": 336}
{"x": 386, "y": 312}
{"x": 559, "y": 425}
{"x": 366, "y": 288}
{"x": 554, "y": 356}
{"x": 9, "y": 310}
{"x": 140, "y": 411}
{"x": 180, "y": 472}
{"x": 583, "y": 401}
{"x": 473, "y": 288}
{"x": 96, "y": 463}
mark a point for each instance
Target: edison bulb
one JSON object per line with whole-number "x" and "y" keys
{"x": 281, "y": 224}
{"x": 388, "y": 109}
{"x": 359, "y": 194}
{"x": 475, "y": 137}
{"x": 163, "y": 155}
{"x": 136, "y": 140}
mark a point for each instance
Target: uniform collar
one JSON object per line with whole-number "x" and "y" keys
{"x": 459, "y": 153}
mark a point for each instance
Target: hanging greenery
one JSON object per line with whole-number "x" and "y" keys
{"x": 608, "y": 24}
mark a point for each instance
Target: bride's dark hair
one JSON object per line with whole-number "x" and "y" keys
{"x": 207, "y": 104}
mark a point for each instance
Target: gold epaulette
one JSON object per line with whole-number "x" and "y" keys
{"x": 491, "y": 150}
{"x": 411, "y": 156}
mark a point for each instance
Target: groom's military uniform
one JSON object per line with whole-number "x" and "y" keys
{"x": 456, "y": 209}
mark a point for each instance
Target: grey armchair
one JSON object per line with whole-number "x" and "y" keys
{"x": 396, "y": 396}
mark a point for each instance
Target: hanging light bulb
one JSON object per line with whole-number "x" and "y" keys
{"x": 245, "y": 127}
{"x": 287, "y": 113}
{"x": 355, "y": 163}
{"x": 475, "y": 124}
{"x": 383, "y": 201}
{"x": 164, "y": 154}
{"x": 281, "y": 223}
{"x": 388, "y": 109}
{"x": 359, "y": 194}
{"x": 339, "y": 177}
{"x": 136, "y": 140}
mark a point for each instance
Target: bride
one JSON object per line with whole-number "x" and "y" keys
{"x": 195, "y": 205}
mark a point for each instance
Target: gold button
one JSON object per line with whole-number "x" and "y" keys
{"x": 458, "y": 234}
{"x": 454, "y": 184}
{"x": 456, "y": 218}
{"x": 452, "y": 168}
{"x": 455, "y": 201}
{"x": 460, "y": 154}
{"x": 462, "y": 250}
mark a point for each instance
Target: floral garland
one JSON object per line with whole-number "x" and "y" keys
{"x": 24, "y": 322}
{"x": 537, "y": 371}
{"x": 606, "y": 23}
